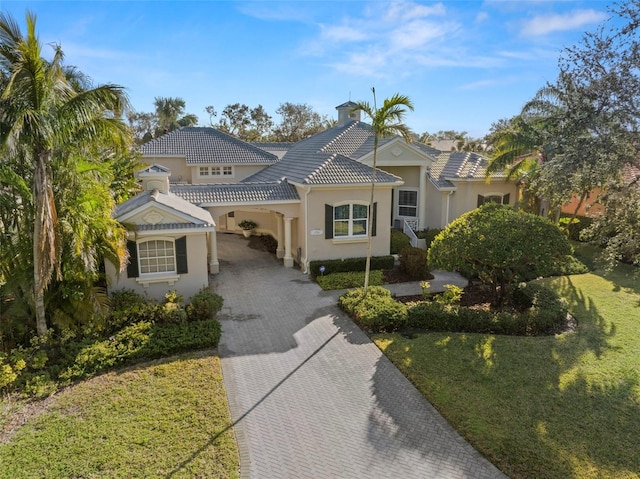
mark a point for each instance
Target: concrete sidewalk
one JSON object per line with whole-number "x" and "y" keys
{"x": 311, "y": 396}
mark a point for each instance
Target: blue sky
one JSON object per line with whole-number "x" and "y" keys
{"x": 464, "y": 64}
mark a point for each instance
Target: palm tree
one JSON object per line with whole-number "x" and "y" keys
{"x": 44, "y": 112}
{"x": 386, "y": 121}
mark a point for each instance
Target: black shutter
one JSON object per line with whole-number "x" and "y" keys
{"x": 181, "y": 255}
{"x": 505, "y": 199}
{"x": 374, "y": 218}
{"x": 132, "y": 267}
{"x": 328, "y": 222}
{"x": 480, "y": 200}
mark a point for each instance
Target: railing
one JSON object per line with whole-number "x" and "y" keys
{"x": 408, "y": 229}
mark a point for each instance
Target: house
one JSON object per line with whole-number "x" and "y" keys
{"x": 312, "y": 196}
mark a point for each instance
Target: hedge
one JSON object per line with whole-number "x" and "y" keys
{"x": 351, "y": 279}
{"x": 544, "y": 313}
{"x": 350, "y": 264}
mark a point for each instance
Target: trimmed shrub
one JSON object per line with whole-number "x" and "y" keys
{"x": 545, "y": 313}
{"x": 376, "y": 311}
{"x": 349, "y": 264}
{"x": 428, "y": 235}
{"x": 413, "y": 262}
{"x": 204, "y": 305}
{"x": 143, "y": 340}
{"x": 352, "y": 279}
{"x": 399, "y": 241}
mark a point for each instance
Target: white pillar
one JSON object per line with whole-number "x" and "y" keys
{"x": 214, "y": 265}
{"x": 280, "y": 235}
{"x": 422, "y": 199}
{"x": 288, "y": 259}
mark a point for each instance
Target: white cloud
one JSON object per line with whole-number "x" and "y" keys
{"x": 403, "y": 11}
{"x": 343, "y": 33}
{"x": 544, "y": 24}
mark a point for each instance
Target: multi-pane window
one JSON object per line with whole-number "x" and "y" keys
{"x": 215, "y": 171}
{"x": 493, "y": 198}
{"x": 156, "y": 256}
{"x": 350, "y": 220}
{"x": 408, "y": 203}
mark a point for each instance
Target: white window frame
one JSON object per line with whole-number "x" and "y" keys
{"x": 203, "y": 171}
{"x": 350, "y": 220}
{"x": 165, "y": 272}
{"x": 398, "y": 205}
{"x": 216, "y": 171}
{"x": 227, "y": 171}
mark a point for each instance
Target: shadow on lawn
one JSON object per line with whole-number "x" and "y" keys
{"x": 536, "y": 407}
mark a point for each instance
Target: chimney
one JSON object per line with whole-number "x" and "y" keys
{"x": 346, "y": 113}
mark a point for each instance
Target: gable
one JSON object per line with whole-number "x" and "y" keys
{"x": 397, "y": 152}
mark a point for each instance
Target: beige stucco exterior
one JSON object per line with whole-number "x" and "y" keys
{"x": 157, "y": 286}
{"x": 183, "y": 173}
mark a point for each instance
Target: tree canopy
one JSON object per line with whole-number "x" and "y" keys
{"x": 499, "y": 245}
{"x": 62, "y": 146}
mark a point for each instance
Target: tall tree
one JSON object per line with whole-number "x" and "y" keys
{"x": 386, "y": 121}
{"x": 170, "y": 115}
{"x": 43, "y": 112}
{"x": 298, "y": 121}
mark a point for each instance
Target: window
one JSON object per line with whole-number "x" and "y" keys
{"x": 205, "y": 171}
{"x": 348, "y": 220}
{"x": 157, "y": 256}
{"x": 408, "y": 203}
{"x": 493, "y": 198}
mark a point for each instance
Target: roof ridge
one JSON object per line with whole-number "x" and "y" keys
{"x": 348, "y": 128}
{"x": 319, "y": 168}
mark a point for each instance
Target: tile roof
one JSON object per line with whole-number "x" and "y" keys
{"x": 327, "y": 158}
{"x": 237, "y": 193}
{"x": 322, "y": 169}
{"x": 166, "y": 199}
{"x": 459, "y": 165}
{"x": 204, "y": 145}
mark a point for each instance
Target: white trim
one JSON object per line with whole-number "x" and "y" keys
{"x": 210, "y": 174}
{"x": 163, "y": 207}
{"x": 157, "y": 276}
{"x": 248, "y": 203}
{"x": 351, "y": 219}
{"x": 397, "y": 203}
{"x": 149, "y": 278}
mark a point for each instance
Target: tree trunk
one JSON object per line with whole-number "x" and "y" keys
{"x": 367, "y": 266}
{"x": 45, "y": 248}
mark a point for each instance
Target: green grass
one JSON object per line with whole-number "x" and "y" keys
{"x": 164, "y": 419}
{"x": 565, "y": 406}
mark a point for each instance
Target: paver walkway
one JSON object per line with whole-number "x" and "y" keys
{"x": 311, "y": 395}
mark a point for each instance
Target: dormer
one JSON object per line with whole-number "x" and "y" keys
{"x": 346, "y": 113}
{"x": 155, "y": 177}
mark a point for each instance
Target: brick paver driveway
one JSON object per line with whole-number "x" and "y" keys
{"x": 311, "y": 395}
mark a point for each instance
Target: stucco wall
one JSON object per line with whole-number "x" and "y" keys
{"x": 187, "y": 285}
{"x": 319, "y": 248}
{"x": 466, "y": 197}
{"x": 240, "y": 172}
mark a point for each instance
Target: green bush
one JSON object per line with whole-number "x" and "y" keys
{"x": 143, "y": 340}
{"x": 428, "y": 235}
{"x": 376, "y": 311}
{"x": 349, "y": 264}
{"x": 413, "y": 262}
{"x": 352, "y": 279}
{"x": 544, "y": 313}
{"x": 575, "y": 228}
{"x": 204, "y": 305}
{"x": 399, "y": 241}
{"x": 500, "y": 246}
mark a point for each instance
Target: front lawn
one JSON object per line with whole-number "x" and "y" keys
{"x": 565, "y": 406}
{"x": 168, "y": 418}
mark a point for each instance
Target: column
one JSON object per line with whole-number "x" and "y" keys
{"x": 422, "y": 199}
{"x": 214, "y": 265}
{"x": 288, "y": 259}
{"x": 280, "y": 235}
